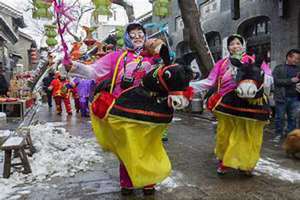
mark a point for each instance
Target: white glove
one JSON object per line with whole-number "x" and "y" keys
{"x": 298, "y": 87}
{"x": 268, "y": 82}
{"x": 178, "y": 102}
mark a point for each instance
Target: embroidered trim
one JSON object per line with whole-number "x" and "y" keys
{"x": 244, "y": 109}
{"x": 142, "y": 112}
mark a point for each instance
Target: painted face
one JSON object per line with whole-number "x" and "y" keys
{"x": 293, "y": 59}
{"x": 137, "y": 37}
{"x": 235, "y": 46}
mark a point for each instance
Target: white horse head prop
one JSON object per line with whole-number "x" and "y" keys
{"x": 249, "y": 77}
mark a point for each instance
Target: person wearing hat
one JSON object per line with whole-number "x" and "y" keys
{"x": 132, "y": 64}
{"x": 238, "y": 139}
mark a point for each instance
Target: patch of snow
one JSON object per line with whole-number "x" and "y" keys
{"x": 4, "y": 134}
{"x": 175, "y": 180}
{"x": 24, "y": 192}
{"x": 58, "y": 154}
{"x": 197, "y": 118}
{"x": 277, "y": 139}
{"x": 175, "y": 119}
{"x": 54, "y": 124}
{"x": 13, "y": 141}
{"x": 269, "y": 166}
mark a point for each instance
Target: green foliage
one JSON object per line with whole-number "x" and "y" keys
{"x": 161, "y": 8}
{"x": 50, "y": 32}
{"x": 102, "y": 10}
{"x": 51, "y": 42}
{"x": 102, "y": 7}
{"x": 119, "y": 36}
{"x": 120, "y": 42}
{"x": 41, "y": 9}
{"x": 99, "y": 3}
{"x": 41, "y": 4}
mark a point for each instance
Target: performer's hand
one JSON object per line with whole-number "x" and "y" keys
{"x": 298, "y": 87}
{"x": 152, "y": 46}
{"x": 295, "y": 79}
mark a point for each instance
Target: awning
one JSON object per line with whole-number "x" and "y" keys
{"x": 17, "y": 55}
{"x": 8, "y": 31}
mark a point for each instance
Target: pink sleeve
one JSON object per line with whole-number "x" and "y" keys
{"x": 210, "y": 81}
{"x": 266, "y": 68}
{"x": 105, "y": 65}
{"x": 100, "y": 69}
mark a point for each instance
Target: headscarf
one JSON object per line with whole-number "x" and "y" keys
{"x": 127, "y": 39}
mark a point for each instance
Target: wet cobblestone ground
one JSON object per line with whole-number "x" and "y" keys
{"x": 190, "y": 148}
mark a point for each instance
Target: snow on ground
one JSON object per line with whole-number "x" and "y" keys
{"x": 177, "y": 179}
{"x": 58, "y": 154}
{"x": 175, "y": 119}
{"x": 270, "y": 167}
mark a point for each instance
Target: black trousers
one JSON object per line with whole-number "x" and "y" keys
{"x": 49, "y": 98}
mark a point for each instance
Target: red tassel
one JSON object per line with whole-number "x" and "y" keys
{"x": 102, "y": 103}
{"x": 189, "y": 93}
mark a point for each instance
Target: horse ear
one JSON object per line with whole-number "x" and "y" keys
{"x": 259, "y": 60}
{"x": 180, "y": 61}
{"x": 164, "y": 54}
{"x": 236, "y": 62}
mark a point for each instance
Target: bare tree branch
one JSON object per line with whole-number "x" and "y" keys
{"x": 128, "y": 8}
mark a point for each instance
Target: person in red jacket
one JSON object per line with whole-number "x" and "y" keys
{"x": 75, "y": 95}
{"x": 55, "y": 87}
{"x": 65, "y": 93}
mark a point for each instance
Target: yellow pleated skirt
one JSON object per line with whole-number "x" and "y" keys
{"x": 238, "y": 141}
{"x": 137, "y": 144}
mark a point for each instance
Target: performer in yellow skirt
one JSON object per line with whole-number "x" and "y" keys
{"x": 138, "y": 145}
{"x": 241, "y": 118}
{"x": 143, "y": 107}
{"x": 135, "y": 124}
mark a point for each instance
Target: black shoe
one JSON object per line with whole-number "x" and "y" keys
{"x": 126, "y": 191}
{"x": 59, "y": 113}
{"x": 149, "y": 191}
{"x": 165, "y": 139}
{"x": 247, "y": 173}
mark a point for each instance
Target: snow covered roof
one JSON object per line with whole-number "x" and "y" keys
{"x": 144, "y": 17}
{"x": 8, "y": 31}
{"x": 12, "y": 12}
{"x": 25, "y": 35}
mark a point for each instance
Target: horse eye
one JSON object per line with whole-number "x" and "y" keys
{"x": 168, "y": 74}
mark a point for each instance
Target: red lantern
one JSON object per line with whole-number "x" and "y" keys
{"x": 33, "y": 56}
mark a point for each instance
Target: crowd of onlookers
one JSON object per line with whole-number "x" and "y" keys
{"x": 62, "y": 90}
{"x": 287, "y": 93}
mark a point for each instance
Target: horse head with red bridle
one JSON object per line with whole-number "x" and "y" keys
{"x": 162, "y": 90}
{"x": 248, "y": 99}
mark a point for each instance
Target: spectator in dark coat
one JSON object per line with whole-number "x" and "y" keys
{"x": 4, "y": 86}
{"x": 286, "y": 76}
{"x": 46, "y": 83}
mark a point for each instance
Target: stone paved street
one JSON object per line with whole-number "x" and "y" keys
{"x": 190, "y": 147}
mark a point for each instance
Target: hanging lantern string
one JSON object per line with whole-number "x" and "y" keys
{"x": 62, "y": 11}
